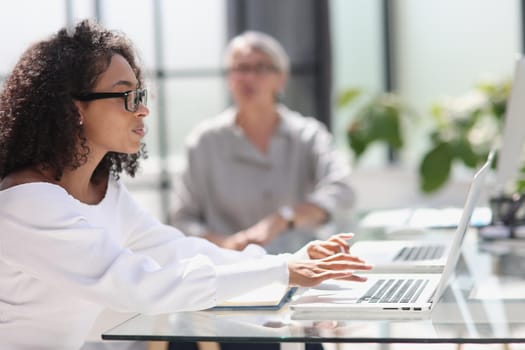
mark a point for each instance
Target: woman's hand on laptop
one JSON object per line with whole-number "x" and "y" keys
{"x": 334, "y": 245}
{"x": 341, "y": 266}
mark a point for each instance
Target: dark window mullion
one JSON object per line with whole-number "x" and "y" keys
{"x": 389, "y": 81}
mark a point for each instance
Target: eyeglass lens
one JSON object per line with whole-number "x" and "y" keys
{"x": 134, "y": 98}
{"x": 259, "y": 68}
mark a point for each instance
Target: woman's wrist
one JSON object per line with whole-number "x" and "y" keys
{"x": 287, "y": 213}
{"x": 243, "y": 238}
{"x": 279, "y": 225}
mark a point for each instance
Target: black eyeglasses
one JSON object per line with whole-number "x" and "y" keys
{"x": 132, "y": 98}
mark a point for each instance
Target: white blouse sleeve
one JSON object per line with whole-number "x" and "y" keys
{"x": 46, "y": 237}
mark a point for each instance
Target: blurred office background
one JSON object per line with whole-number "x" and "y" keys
{"x": 421, "y": 49}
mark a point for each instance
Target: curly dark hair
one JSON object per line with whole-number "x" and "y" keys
{"x": 39, "y": 122}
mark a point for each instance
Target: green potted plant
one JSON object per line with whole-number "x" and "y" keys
{"x": 465, "y": 128}
{"x": 379, "y": 119}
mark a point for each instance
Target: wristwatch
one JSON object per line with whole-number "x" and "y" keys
{"x": 288, "y": 214}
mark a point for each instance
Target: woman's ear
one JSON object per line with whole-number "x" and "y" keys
{"x": 80, "y": 109}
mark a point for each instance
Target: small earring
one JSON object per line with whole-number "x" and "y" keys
{"x": 81, "y": 122}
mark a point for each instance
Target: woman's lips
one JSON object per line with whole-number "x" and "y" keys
{"x": 141, "y": 131}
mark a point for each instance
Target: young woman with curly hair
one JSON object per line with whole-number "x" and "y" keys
{"x": 72, "y": 239}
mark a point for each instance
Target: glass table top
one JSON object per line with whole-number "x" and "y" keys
{"x": 483, "y": 303}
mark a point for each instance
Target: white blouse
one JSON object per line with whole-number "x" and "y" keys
{"x": 63, "y": 261}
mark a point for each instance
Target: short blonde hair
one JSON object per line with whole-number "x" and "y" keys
{"x": 261, "y": 42}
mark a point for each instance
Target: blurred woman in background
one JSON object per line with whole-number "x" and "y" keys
{"x": 260, "y": 172}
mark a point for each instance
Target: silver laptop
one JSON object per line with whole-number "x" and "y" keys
{"x": 427, "y": 256}
{"x": 392, "y": 294}
{"x": 403, "y": 256}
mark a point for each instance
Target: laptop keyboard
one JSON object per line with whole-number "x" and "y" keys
{"x": 424, "y": 252}
{"x": 394, "y": 291}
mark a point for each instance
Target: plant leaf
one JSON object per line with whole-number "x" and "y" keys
{"x": 435, "y": 168}
{"x": 463, "y": 149}
{"x": 358, "y": 141}
{"x": 347, "y": 96}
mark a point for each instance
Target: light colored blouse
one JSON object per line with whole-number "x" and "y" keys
{"x": 228, "y": 185}
{"x": 63, "y": 261}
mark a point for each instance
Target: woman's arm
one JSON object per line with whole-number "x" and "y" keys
{"x": 333, "y": 190}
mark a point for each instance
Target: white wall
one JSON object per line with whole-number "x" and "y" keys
{"x": 444, "y": 47}
{"x": 441, "y": 48}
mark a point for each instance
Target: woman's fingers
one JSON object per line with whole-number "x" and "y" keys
{"x": 319, "y": 251}
{"x": 337, "y": 246}
{"x": 334, "y": 245}
{"x": 338, "y": 266}
{"x": 326, "y": 248}
{"x": 343, "y": 257}
{"x": 346, "y": 235}
{"x": 344, "y": 265}
{"x": 344, "y": 275}
{"x": 340, "y": 243}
